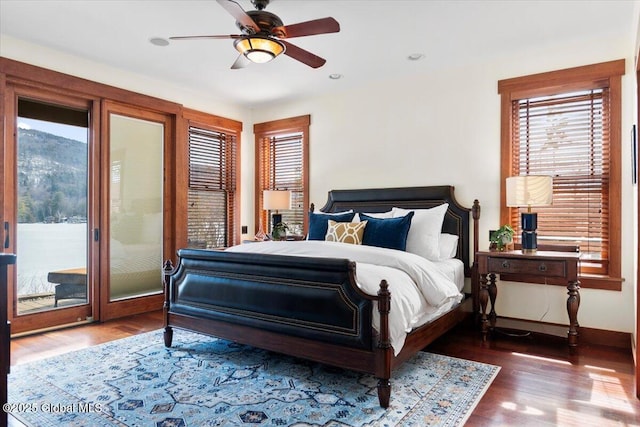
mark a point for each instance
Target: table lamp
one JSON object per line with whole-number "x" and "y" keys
{"x": 529, "y": 190}
{"x": 273, "y": 200}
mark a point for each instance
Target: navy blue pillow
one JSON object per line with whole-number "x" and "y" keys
{"x": 387, "y": 232}
{"x": 319, "y": 222}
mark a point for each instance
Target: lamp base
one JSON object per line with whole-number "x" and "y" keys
{"x": 529, "y": 236}
{"x": 277, "y": 219}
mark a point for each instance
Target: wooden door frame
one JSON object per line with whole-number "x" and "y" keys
{"x": 12, "y": 71}
{"x": 114, "y": 309}
{"x": 12, "y": 90}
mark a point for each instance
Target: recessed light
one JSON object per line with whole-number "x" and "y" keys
{"x": 335, "y": 76}
{"x": 415, "y": 56}
{"x": 159, "y": 41}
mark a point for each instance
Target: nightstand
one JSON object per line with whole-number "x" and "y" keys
{"x": 542, "y": 264}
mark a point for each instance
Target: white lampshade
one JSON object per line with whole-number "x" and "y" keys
{"x": 276, "y": 199}
{"x": 529, "y": 190}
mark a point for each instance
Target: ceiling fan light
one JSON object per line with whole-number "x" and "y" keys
{"x": 259, "y": 49}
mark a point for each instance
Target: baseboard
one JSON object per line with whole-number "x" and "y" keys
{"x": 586, "y": 336}
{"x": 608, "y": 338}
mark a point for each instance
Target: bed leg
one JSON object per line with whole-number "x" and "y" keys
{"x": 384, "y": 345}
{"x": 384, "y": 392}
{"x": 168, "y": 336}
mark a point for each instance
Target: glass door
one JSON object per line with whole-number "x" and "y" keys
{"x": 136, "y": 207}
{"x": 48, "y": 227}
{"x": 134, "y": 211}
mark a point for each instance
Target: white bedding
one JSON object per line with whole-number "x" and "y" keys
{"x": 420, "y": 289}
{"x": 454, "y": 269}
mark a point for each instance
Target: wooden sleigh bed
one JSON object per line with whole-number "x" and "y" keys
{"x": 311, "y": 307}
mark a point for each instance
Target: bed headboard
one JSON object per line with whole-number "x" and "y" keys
{"x": 456, "y": 221}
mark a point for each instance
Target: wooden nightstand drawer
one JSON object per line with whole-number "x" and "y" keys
{"x": 549, "y": 268}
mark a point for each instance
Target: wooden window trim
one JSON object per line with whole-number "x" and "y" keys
{"x": 218, "y": 124}
{"x": 265, "y": 130}
{"x": 588, "y": 76}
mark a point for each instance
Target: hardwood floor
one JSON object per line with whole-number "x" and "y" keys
{"x": 540, "y": 383}
{"x": 35, "y": 347}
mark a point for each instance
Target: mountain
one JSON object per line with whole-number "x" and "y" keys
{"x": 52, "y": 177}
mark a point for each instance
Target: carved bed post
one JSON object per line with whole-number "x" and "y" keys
{"x": 475, "y": 213}
{"x": 475, "y": 286}
{"x": 168, "y": 331}
{"x": 384, "y": 306}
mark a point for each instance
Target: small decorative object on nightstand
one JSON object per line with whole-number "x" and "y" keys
{"x": 502, "y": 238}
{"x": 279, "y": 231}
{"x": 546, "y": 265}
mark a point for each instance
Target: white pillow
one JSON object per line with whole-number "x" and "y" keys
{"x": 448, "y": 245}
{"x": 387, "y": 214}
{"x": 426, "y": 226}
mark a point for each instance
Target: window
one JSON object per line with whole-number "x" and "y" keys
{"x": 213, "y": 202}
{"x": 282, "y": 158}
{"x": 567, "y": 124}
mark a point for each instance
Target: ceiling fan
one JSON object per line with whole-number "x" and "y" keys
{"x": 263, "y": 35}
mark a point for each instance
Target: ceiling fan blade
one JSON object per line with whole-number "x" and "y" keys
{"x": 240, "y": 62}
{"x": 230, "y": 36}
{"x": 308, "y": 28}
{"x": 239, "y": 14}
{"x": 303, "y": 56}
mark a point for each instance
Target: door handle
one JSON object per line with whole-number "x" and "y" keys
{"x": 6, "y": 234}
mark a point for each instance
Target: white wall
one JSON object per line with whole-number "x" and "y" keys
{"x": 444, "y": 128}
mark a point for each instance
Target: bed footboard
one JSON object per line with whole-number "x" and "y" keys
{"x": 310, "y": 298}
{"x": 304, "y": 307}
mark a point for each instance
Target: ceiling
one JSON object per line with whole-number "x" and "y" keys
{"x": 375, "y": 40}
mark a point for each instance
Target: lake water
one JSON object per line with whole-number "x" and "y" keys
{"x": 42, "y": 248}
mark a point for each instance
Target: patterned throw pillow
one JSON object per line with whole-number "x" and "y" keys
{"x": 345, "y": 232}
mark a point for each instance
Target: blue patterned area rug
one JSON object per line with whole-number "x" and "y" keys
{"x": 202, "y": 381}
